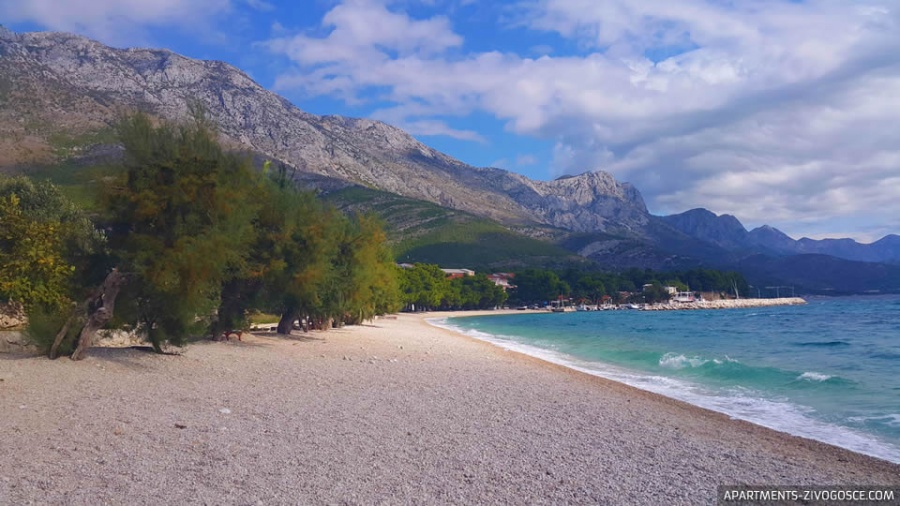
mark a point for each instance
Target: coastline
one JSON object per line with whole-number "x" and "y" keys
{"x": 727, "y": 304}
{"x": 394, "y": 411}
{"x": 771, "y": 413}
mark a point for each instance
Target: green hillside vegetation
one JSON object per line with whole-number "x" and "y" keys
{"x": 79, "y": 183}
{"x": 76, "y": 172}
{"x": 423, "y": 232}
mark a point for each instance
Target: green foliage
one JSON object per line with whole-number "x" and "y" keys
{"x": 476, "y": 292}
{"x": 65, "y": 144}
{"x": 539, "y": 286}
{"x": 424, "y": 286}
{"x": 292, "y": 251}
{"x": 181, "y": 220}
{"x": 43, "y": 201}
{"x": 654, "y": 293}
{"x": 33, "y": 270}
{"x": 589, "y": 288}
{"x": 43, "y": 325}
{"x": 362, "y": 281}
{"x": 427, "y": 233}
{"x": 79, "y": 183}
{"x": 479, "y": 243}
{"x": 536, "y": 285}
{"x": 83, "y": 246}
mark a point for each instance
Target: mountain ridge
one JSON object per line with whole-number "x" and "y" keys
{"x": 99, "y": 80}
{"x": 728, "y": 232}
{"x": 61, "y": 95}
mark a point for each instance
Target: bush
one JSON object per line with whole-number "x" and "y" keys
{"x": 43, "y": 325}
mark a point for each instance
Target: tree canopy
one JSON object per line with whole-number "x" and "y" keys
{"x": 194, "y": 239}
{"x": 180, "y": 219}
{"x": 44, "y": 238}
{"x": 426, "y": 286}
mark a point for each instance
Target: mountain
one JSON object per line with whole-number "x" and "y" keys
{"x": 886, "y": 249}
{"x": 724, "y": 231}
{"x": 821, "y": 274}
{"x": 727, "y": 232}
{"x": 61, "y": 95}
{"x": 60, "y": 92}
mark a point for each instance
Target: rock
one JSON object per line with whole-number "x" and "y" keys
{"x": 16, "y": 342}
{"x": 12, "y": 317}
{"x": 106, "y": 338}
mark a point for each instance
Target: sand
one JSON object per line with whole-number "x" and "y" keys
{"x": 394, "y": 412}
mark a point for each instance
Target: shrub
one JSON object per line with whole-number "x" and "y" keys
{"x": 45, "y": 322}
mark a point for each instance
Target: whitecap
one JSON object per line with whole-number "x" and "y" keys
{"x": 814, "y": 376}
{"x": 675, "y": 361}
{"x": 891, "y": 419}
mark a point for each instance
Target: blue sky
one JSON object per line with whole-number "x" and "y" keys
{"x": 778, "y": 112}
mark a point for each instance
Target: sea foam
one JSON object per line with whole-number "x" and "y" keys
{"x": 814, "y": 376}
{"x": 677, "y": 361}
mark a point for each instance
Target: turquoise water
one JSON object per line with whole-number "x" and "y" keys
{"x": 828, "y": 370}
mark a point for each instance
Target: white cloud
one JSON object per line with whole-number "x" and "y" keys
{"x": 436, "y": 127}
{"x": 363, "y": 29}
{"x": 776, "y": 111}
{"x": 261, "y": 5}
{"x": 114, "y": 21}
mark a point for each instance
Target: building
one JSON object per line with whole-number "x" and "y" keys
{"x": 501, "y": 279}
{"x": 684, "y": 297}
{"x": 458, "y": 273}
{"x": 671, "y": 290}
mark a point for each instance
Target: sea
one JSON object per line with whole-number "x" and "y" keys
{"x": 828, "y": 370}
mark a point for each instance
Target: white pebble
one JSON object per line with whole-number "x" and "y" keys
{"x": 225, "y": 411}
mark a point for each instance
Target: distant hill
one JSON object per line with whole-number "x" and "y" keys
{"x": 727, "y": 232}
{"x": 424, "y": 232}
{"x": 820, "y": 274}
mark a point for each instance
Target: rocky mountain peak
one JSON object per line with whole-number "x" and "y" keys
{"x": 7, "y": 34}
{"x": 67, "y": 84}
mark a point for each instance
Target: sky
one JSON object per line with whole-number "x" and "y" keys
{"x": 784, "y": 113}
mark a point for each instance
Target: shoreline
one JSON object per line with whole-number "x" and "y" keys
{"x": 393, "y": 411}
{"x": 630, "y": 379}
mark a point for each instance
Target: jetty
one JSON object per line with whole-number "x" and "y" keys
{"x": 725, "y": 304}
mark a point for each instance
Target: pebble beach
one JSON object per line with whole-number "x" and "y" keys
{"x": 392, "y": 412}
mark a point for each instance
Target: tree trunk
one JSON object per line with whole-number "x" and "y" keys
{"x": 286, "y": 324}
{"x": 100, "y": 310}
{"x": 59, "y": 337}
